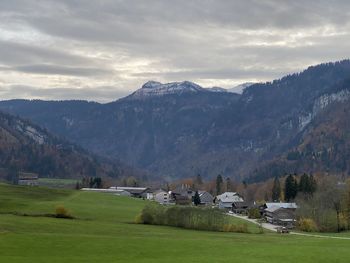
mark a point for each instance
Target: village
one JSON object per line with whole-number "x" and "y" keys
{"x": 280, "y": 216}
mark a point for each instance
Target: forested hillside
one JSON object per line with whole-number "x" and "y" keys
{"x": 180, "y": 129}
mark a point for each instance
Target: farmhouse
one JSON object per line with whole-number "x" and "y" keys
{"x": 240, "y": 207}
{"x": 206, "y": 198}
{"x": 180, "y": 198}
{"x": 182, "y": 195}
{"x": 226, "y": 200}
{"x": 184, "y": 190}
{"x": 28, "y": 179}
{"x": 139, "y": 192}
{"x": 280, "y": 213}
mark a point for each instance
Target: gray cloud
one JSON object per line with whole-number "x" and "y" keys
{"x": 60, "y": 70}
{"x": 82, "y": 46}
{"x": 13, "y": 53}
{"x": 102, "y": 94}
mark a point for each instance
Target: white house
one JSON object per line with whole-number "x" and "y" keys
{"x": 226, "y": 199}
{"x": 163, "y": 197}
{"x": 28, "y": 179}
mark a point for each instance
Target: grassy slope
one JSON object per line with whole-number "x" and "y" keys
{"x": 103, "y": 233}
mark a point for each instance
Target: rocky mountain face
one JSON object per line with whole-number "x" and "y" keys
{"x": 29, "y": 148}
{"x": 181, "y": 129}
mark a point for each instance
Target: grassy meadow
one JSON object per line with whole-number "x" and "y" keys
{"x": 104, "y": 232}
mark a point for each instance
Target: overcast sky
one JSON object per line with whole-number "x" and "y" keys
{"x": 103, "y": 50}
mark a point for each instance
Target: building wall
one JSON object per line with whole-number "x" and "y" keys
{"x": 162, "y": 197}
{"x": 225, "y": 205}
{"x": 28, "y": 182}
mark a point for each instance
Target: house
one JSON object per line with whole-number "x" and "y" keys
{"x": 139, "y": 192}
{"x": 163, "y": 197}
{"x": 31, "y": 179}
{"x": 109, "y": 190}
{"x": 240, "y": 207}
{"x": 206, "y": 198}
{"x": 182, "y": 195}
{"x": 181, "y": 199}
{"x": 292, "y": 206}
{"x": 184, "y": 190}
{"x": 226, "y": 200}
{"x": 150, "y": 195}
{"x": 281, "y": 213}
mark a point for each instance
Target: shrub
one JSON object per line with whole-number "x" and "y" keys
{"x": 307, "y": 225}
{"x": 138, "y": 219}
{"x": 62, "y": 212}
{"x": 254, "y": 213}
{"x": 188, "y": 217}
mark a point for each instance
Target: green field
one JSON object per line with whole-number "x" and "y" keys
{"x": 104, "y": 232}
{"x": 57, "y": 183}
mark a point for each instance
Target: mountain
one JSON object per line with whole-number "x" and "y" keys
{"x": 27, "y": 147}
{"x": 153, "y": 88}
{"x": 217, "y": 89}
{"x": 180, "y": 129}
{"x": 240, "y": 88}
{"x": 323, "y": 144}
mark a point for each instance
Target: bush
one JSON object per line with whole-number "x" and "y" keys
{"x": 62, "y": 212}
{"x": 254, "y": 213}
{"x": 307, "y": 225}
{"x": 188, "y": 217}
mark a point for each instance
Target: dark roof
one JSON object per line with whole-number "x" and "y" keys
{"x": 27, "y": 176}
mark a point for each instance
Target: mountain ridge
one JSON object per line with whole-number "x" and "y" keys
{"x": 179, "y": 135}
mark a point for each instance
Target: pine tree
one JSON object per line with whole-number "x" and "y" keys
{"x": 219, "y": 182}
{"x": 228, "y": 184}
{"x": 276, "y": 190}
{"x": 196, "y": 199}
{"x": 304, "y": 184}
{"x": 291, "y": 188}
{"x": 307, "y": 184}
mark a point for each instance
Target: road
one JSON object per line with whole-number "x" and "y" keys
{"x": 272, "y": 227}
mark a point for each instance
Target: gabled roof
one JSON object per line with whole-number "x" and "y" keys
{"x": 159, "y": 191}
{"x": 133, "y": 190}
{"x": 230, "y": 197}
{"x": 202, "y": 193}
{"x": 183, "y": 190}
{"x": 281, "y": 205}
{"x": 272, "y": 209}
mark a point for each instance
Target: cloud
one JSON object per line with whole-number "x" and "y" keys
{"x": 85, "y": 45}
{"x": 60, "y": 70}
{"x": 101, "y": 94}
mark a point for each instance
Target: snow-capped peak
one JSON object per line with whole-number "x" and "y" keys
{"x": 154, "y": 88}
{"x": 151, "y": 84}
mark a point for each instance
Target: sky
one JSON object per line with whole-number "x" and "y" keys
{"x": 104, "y": 50}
